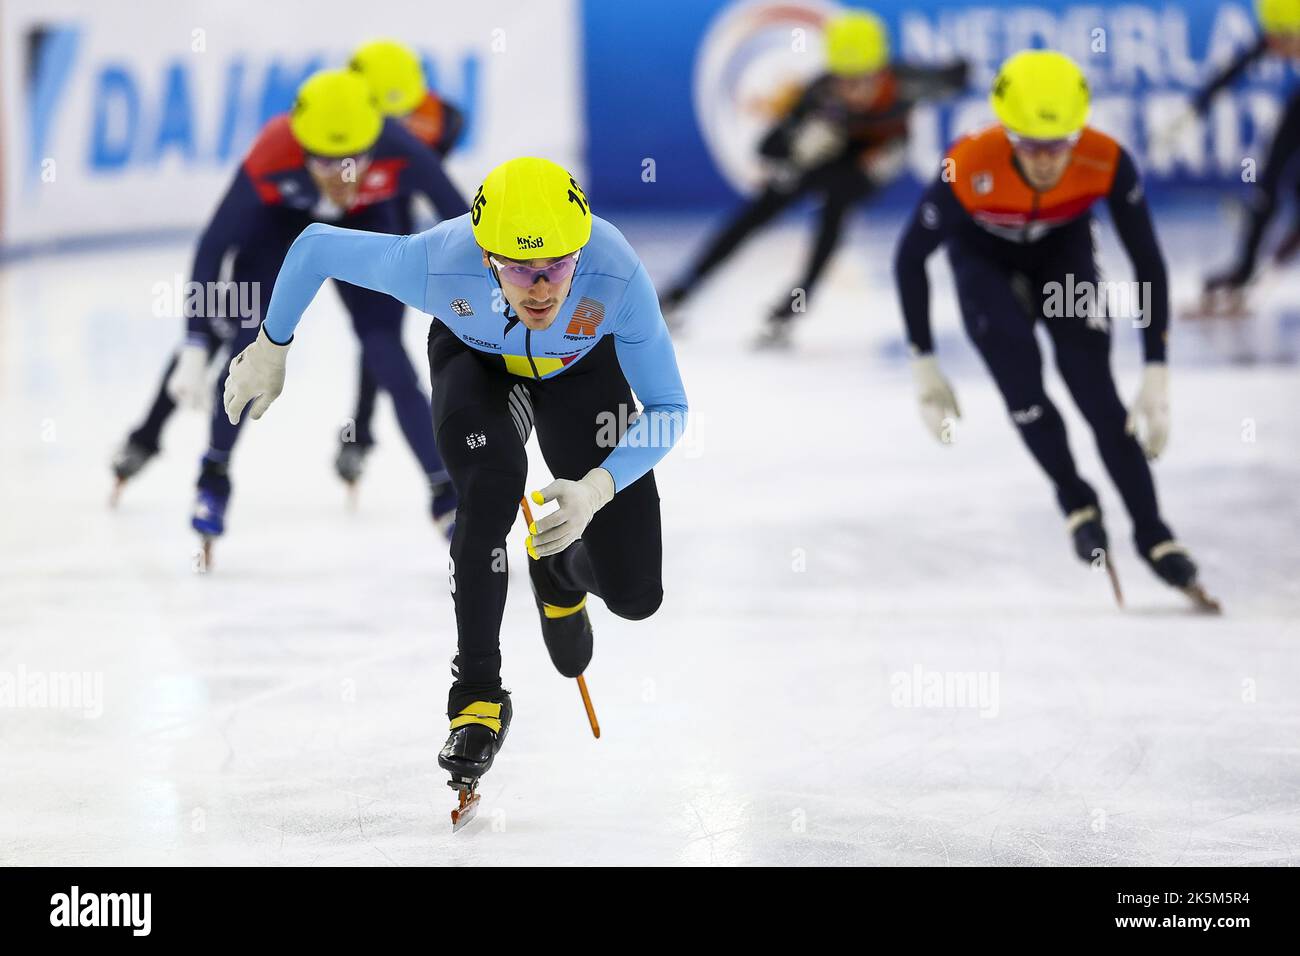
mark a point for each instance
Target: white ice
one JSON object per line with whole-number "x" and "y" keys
{"x": 287, "y": 707}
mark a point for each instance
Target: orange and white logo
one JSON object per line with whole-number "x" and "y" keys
{"x": 586, "y": 316}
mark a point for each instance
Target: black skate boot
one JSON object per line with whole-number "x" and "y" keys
{"x": 209, "y": 515}
{"x": 1088, "y": 533}
{"x": 777, "y": 327}
{"x": 1288, "y": 247}
{"x": 1173, "y": 565}
{"x": 128, "y": 462}
{"x": 478, "y": 729}
{"x": 566, "y": 628}
{"x": 1091, "y": 544}
{"x": 350, "y": 462}
{"x": 1224, "y": 295}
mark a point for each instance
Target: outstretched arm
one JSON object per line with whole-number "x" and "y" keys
{"x": 239, "y": 217}
{"x": 778, "y": 142}
{"x": 1132, "y": 217}
{"x": 645, "y": 353}
{"x": 1149, "y": 414}
{"x": 396, "y": 265}
{"x": 1229, "y": 74}
{"x": 936, "y": 214}
{"x": 917, "y": 83}
{"x": 928, "y": 228}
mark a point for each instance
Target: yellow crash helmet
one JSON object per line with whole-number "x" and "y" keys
{"x": 1041, "y": 94}
{"x": 856, "y": 43}
{"x": 335, "y": 115}
{"x": 530, "y": 208}
{"x": 394, "y": 73}
{"x": 1279, "y": 16}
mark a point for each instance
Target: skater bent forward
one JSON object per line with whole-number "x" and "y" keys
{"x": 543, "y": 316}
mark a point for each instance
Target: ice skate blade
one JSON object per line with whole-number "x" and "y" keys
{"x": 1218, "y": 305}
{"x": 778, "y": 342}
{"x": 1114, "y": 584}
{"x": 586, "y": 703}
{"x": 1202, "y": 601}
{"x": 1203, "y": 314}
{"x": 203, "y": 557}
{"x": 468, "y": 801}
{"x": 115, "y": 495}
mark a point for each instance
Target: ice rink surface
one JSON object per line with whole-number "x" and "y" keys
{"x": 821, "y": 550}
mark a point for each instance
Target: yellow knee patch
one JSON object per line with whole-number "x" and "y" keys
{"x": 480, "y": 712}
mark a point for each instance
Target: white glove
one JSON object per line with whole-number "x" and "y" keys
{"x": 781, "y": 174}
{"x": 188, "y": 385}
{"x": 938, "y": 404}
{"x": 257, "y": 376}
{"x": 815, "y": 142}
{"x": 579, "y": 502}
{"x": 1172, "y": 129}
{"x": 1149, "y": 416}
{"x": 882, "y": 165}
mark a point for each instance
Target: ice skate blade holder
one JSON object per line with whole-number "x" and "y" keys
{"x": 468, "y": 796}
{"x": 1114, "y": 584}
{"x": 581, "y": 678}
{"x": 203, "y": 556}
{"x": 1201, "y": 600}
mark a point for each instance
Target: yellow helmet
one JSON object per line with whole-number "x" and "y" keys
{"x": 1279, "y": 16}
{"x": 394, "y": 73}
{"x": 530, "y": 208}
{"x": 1041, "y": 94}
{"x": 856, "y": 43}
{"x": 335, "y": 115}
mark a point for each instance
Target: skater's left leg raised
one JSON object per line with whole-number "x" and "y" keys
{"x": 580, "y": 418}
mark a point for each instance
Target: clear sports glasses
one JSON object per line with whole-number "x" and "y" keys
{"x": 524, "y": 276}
{"x": 329, "y": 167}
{"x": 1050, "y": 147}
